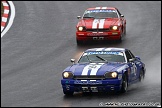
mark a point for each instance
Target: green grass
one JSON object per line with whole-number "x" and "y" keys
{"x": 1, "y": 9}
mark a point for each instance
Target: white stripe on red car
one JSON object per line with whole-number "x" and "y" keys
{"x": 101, "y": 23}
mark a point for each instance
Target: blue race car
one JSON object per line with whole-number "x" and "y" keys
{"x": 103, "y": 70}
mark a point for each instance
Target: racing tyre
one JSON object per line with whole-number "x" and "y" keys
{"x": 87, "y": 93}
{"x": 141, "y": 76}
{"x": 124, "y": 84}
{"x": 125, "y": 31}
{"x": 68, "y": 93}
{"x": 119, "y": 40}
{"x": 79, "y": 42}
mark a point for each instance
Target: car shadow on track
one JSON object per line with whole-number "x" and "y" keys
{"x": 92, "y": 94}
{"x": 99, "y": 43}
{"x": 133, "y": 89}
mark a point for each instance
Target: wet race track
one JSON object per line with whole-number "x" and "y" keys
{"x": 41, "y": 42}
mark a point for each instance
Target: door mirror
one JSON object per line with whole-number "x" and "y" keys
{"x": 131, "y": 60}
{"x": 72, "y": 60}
{"x": 122, "y": 15}
{"x": 78, "y": 17}
{"x": 138, "y": 58}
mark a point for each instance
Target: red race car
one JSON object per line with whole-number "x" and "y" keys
{"x": 100, "y": 23}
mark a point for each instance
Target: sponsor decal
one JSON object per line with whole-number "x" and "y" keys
{"x": 134, "y": 69}
{"x": 100, "y": 10}
{"x": 105, "y": 52}
{"x": 87, "y": 82}
{"x": 97, "y": 34}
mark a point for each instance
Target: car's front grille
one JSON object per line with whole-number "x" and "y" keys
{"x": 88, "y": 77}
{"x": 97, "y": 30}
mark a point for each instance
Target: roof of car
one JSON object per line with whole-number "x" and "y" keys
{"x": 106, "y": 49}
{"x": 93, "y": 8}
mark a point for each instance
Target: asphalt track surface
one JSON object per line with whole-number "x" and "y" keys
{"x": 41, "y": 42}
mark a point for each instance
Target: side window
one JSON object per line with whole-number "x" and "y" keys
{"x": 83, "y": 59}
{"x": 128, "y": 55}
{"x": 131, "y": 54}
{"x": 118, "y": 12}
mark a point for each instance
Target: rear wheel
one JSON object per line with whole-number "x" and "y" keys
{"x": 124, "y": 84}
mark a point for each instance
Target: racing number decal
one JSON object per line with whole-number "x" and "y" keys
{"x": 134, "y": 69}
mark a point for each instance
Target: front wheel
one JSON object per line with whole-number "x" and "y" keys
{"x": 68, "y": 93}
{"x": 125, "y": 30}
{"x": 120, "y": 40}
{"x": 124, "y": 84}
{"x": 79, "y": 42}
{"x": 141, "y": 76}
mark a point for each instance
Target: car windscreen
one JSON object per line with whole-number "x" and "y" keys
{"x": 100, "y": 14}
{"x": 102, "y": 56}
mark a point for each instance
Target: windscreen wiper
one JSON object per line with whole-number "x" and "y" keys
{"x": 88, "y": 17}
{"x": 88, "y": 59}
{"x": 101, "y": 58}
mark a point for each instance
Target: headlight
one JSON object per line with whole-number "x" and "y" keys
{"x": 81, "y": 28}
{"x": 111, "y": 74}
{"x": 115, "y": 27}
{"x": 67, "y": 75}
{"x": 114, "y": 74}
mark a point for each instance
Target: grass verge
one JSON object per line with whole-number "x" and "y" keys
{"x": 1, "y": 9}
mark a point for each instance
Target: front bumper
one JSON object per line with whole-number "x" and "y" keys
{"x": 116, "y": 35}
{"x": 91, "y": 86}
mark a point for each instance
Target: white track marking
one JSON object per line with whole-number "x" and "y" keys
{"x": 12, "y": 16}
{"x": 6, "y": 11}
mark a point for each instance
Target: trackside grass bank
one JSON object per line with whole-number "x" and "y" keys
{"x": 1, "y": 9}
